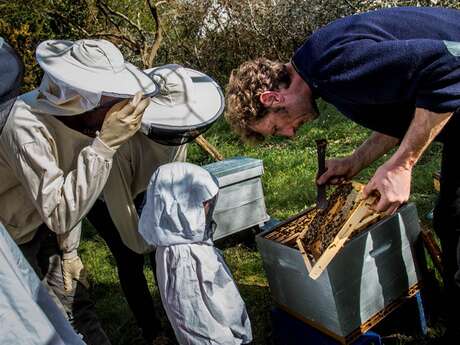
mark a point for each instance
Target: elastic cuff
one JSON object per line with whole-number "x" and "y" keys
{"x": 70, "y": 255}
{"x": 102, "y": 149}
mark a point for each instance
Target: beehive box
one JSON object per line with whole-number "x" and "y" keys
{"x": 240, "y": 204}
{"x": 366, "y": 279}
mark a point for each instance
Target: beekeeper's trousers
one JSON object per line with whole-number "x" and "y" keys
{"x": 130, "y": 267}
{"x": 446, "y": 221}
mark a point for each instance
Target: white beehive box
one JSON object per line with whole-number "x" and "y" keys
{"x": 366, "y": 280}
{"x": 241, "y": 202}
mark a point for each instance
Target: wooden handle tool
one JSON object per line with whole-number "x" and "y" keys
{"x": 321, "y": 200}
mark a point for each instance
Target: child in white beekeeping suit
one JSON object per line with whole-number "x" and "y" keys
{"x": 196, "y": 287}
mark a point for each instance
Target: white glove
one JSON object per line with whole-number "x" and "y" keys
{"x": 73, "y": 269}
{"x": 122, "y": 121}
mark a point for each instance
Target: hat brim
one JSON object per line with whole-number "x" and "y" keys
{"x": 205, "y": 108}
{"x": 124, "y": 84}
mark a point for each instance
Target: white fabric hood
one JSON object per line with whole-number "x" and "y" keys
{"x": 11, "y": 72}
{"x": 174, "y": 211}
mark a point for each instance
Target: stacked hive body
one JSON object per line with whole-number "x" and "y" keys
{"x": 240, "y": 204}
{"x": 337, "y": 271}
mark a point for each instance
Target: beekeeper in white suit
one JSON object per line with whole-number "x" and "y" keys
{"x": 197, "y": 290}
{"x": 28, "y": 314}
{"x": 60, "y": 147}
{"x": 188, "y": 103}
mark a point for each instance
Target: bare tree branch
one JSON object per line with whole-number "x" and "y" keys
{"x": 158, "y": 34}
{"x": 351, "y": 5}
{"x": 122, "y": 37}
{"x": 134, "y": 45}
{"x": 53, "y": 14}
{"x": 107, "y": 16}
{"x": 268, "y": 38}
{"x": 209, "y": 148}
{"x": 123, "y": 16}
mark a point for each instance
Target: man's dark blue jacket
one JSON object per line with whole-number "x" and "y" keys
{"x": 378, "y": 66}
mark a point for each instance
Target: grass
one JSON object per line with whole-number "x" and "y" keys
{"x": 288, "y": 181}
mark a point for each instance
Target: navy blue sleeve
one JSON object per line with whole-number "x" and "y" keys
{"x": 362, "y": 70}
{"x": 397, "y": 55}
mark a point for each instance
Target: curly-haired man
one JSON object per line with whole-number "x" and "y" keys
{"x": 395, "y": 71}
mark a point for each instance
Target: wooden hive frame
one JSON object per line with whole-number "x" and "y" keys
{"x": 287, "y": 231}
{"x": 357, "y": 213}
{"x": 346, "y": 215}
{"x": 437, "y": 181}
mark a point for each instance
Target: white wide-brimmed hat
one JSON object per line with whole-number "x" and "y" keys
{"x": 95, "y": 66}
{"x": 188, "y": 103}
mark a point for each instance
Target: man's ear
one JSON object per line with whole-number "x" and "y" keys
{"x": 271, "y": 98}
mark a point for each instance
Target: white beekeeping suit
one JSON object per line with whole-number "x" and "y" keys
{"x": 197, "y": 289}
{"x": 28, "y": 315}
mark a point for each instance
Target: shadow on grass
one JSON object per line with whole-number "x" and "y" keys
{"x": 116, "y": 317}
{"x": 258, "y": 304}
{"x": 120, "y": 326}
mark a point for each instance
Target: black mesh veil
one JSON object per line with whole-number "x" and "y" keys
{"x": 175, "y": 137}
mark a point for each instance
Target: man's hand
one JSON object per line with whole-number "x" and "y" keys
{"x": 122, "y": 121}
{"x": 392, "y": 180}
{"x": 73, "y": 269}
{"x": 339, "y": 170}
{"x": 392, "y": 185}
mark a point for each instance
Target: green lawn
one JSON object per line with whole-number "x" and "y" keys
{"x": 290, "y": 168}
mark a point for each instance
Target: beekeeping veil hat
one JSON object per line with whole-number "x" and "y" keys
{"x": 78, "y": 73}
{"x": 11, "y": 72}
{"x": 188, "y": 103}
{"x": 174, "y": 211}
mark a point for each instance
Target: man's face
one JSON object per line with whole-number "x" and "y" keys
{"x": 286, "y": 121}
{"x": 95, "y": 118}
{"x": 107, "y": 102}
{"x": 288, "y": 108}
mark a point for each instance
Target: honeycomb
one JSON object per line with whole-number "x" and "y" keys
{"x": 316, "y": 229}
{"x": 288, "y": 232}
{"x": 328, "y": 222}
